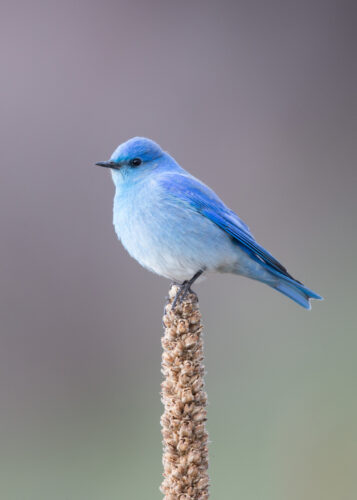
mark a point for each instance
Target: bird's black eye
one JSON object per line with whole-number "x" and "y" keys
{"x": 135, "y": 162}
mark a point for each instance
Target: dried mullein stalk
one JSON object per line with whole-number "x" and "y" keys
{"x": 185, "y": 453}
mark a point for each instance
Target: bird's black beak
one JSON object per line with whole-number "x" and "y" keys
{"x": 108, "y": 164}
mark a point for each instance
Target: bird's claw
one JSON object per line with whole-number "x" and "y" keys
{"x": 184, "y": 289}
{"x": 181, "y": 293}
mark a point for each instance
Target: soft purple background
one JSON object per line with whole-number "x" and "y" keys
{"x": 258, "y": 99}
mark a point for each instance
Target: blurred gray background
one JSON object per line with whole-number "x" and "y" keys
{"x": 258, "y": 99}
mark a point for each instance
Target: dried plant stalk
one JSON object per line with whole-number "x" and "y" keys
{"x": 185, "y": 452}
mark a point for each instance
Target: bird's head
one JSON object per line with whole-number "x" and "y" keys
{"x": 133, "y": 157}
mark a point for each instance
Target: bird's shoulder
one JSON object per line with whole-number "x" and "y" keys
{"x": 181, "y": 183}
{"x": 186, "y": 188}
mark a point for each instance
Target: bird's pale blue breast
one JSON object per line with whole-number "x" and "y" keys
{"x": 165, "y": 234}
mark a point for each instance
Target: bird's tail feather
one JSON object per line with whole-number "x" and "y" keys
{"x": 286, "y": 284}
{"x": 296, "y": 291}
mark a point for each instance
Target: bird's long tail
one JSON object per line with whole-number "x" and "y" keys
{"x": 294, "y": 290}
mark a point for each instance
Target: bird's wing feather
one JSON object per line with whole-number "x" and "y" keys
{"x": 203, "y": 200}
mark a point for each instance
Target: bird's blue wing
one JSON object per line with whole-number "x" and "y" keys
{"x": 200, "y": 198}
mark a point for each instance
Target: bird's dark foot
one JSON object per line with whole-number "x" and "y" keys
{"x": 167, "y": 298}
{"x": 184, "y": 289}
{"x": 181, "y": 294}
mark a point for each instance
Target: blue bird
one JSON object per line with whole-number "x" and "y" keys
{"x": 177, "y": 227}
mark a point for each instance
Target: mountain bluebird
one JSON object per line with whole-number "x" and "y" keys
{"x": 177, "y": 227}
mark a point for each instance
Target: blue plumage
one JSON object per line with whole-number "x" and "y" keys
{"x": 176, "y": 226}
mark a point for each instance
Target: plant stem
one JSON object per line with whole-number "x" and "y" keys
{"x": 185, "y": 452}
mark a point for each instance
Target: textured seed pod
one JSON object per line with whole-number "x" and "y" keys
{"x": 185, "y": 452}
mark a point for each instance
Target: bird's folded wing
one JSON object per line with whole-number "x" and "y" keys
{"x": 203, "y": 200}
